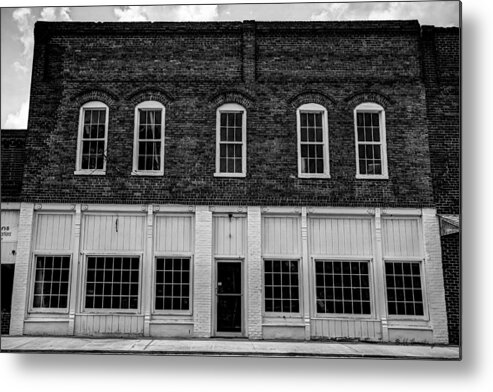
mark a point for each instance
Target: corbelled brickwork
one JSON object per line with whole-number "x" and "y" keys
{"x": 192, "y": 68}
{"x": 441, "y": 66}
{"x": 13, "y": 157}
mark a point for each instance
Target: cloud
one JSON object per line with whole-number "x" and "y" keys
{"x": 439, "y": 13}
{"x": 18, "y": 67}
{"x": 25, "y": 24}
{"x": 18, "y": 120}
{"x": 181, "y": 13}
{"x": 52, "y": 14}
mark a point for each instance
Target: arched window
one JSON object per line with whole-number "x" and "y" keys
{"x": 371, "y": 149}
{"x": 92, "y": 139}
{"x": 231, "y": 141}
{"x": 148, "y": 156}
{"x": 313, "y": 141}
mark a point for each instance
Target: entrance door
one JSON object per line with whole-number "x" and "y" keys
{"x": 7, "y": 283}
{"x": 229, "y": 298}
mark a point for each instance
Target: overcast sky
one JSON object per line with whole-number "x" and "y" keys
{"x": 17, "y": 25}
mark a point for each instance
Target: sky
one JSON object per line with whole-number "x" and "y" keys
{"x": 17, "y": 26}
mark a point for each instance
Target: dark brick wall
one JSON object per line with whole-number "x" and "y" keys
{"x": 12, "y": 163}
{"x": 452, "y": 275}
{"x": 441, "y": 71}
{"x": 192, "y": 68}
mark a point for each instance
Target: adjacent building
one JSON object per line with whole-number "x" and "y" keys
{"x": 263, "y": 180}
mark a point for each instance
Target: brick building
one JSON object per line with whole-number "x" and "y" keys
{"x": 258, "y": 179}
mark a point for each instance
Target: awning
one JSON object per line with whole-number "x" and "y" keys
{"x": 449, "y": 224}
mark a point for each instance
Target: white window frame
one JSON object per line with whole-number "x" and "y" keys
{"x": 78, "y": 165}
{"x": 345, "y": 258}
{"x": 231, "y": 108}
{"x": 314, "y": 108}
{"x": 33, "y": 309}
{"x": 404, "y": 259}
{"x": 84, "y": 283}
{"x": 286, "y": 315}
{"x": 370, "y": 107}
{"x": 148, "y": 105}
{"x": 172, "y": 312}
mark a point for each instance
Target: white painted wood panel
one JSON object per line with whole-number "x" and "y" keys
{"x": 53, "y": 232}
{"x": 346, "y": 328}
{"x": 340, "y": 236}
{"x": 401, "y": 237}
{"x": 281, "y": 236}
{"x": 174, "y": 234}
{"x": 114, "y": 232}
{"x": 109, "y": 324}
{"x": 229, "y": 235}
{"x": 10, "y": 228}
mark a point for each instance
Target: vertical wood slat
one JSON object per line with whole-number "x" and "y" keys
{"x": 53, "y": 232}
{"x": 109, "y": 324}
{"x": 401, "y": 237}
{"x": 174, "y": 234}
{"x": 229, "y": 235}
{"x": 346, "y": 328}
{"x": 341, "y": 236}
{"x": 100, "y": 233}
{"x": 281, "y": 235}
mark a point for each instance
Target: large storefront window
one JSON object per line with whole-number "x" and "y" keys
{"x": 404, "y": 292}
{"x": 342, "y": 287}
{"x": 282, "y": 286}
{"x": 51, "y": 282}
{"x": 172, "y": 283}
{"x": 112, "y": 282}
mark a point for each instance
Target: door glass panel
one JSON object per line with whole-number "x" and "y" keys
{"x": 229, "y": 300}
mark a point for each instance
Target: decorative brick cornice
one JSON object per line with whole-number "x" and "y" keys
{"x": 96, "y": 93}
{"x": 222, "y": 96}
{"x": 311, "y": 96}
{"x": 369, "y": 96}
{"x": 150, "y": 94}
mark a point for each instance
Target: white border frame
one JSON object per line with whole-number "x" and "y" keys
{"x": 370, "y": 107}
{"x": 231, "y": 108}
{"x": 314, "y": 108}
{"x": 83, "y": 283}
{"x": 135, "y": 163}
{"x": 31, "y": 308}
{"x": 78, "y": 164}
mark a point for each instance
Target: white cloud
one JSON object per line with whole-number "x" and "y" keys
{"x": 331, "y": 12}
{"x": 25, "y": 24}
{"x": 18, "y": 67}
{"x": 52, "y": 14}
{"x": 181, "y": 13}
{"x": 131, "y": 14}
{"x": 18, "y": 120}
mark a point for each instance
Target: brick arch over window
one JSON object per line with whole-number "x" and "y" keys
{"x": 150, "y": 94}
{"x": 368, "y": 96}
{"x": 239, "y": 97}
{"x": 107, "y": 97}
{"x": 311, "y": 96}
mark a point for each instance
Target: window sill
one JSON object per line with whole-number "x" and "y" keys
{"x": 89, "y": 173}
{"x": 234, "y": 175}
{"x": 314, "y": 176}
{"x": 371, "y": 177}
{"x": 57, "y": 311}
{"x": 147, "y": 173}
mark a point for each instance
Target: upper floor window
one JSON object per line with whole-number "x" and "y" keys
{"x": 149, "y": 139}
{"x": 93, "y": 138}
{"x": 231, "y": 141}
{"x": 371, "y": 150}
{"x": 313, "y": 141}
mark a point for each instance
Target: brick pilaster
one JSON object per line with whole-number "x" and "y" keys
{"x": 202, "y": 284}
{"x": 21, "y": 274}
{"x": 254, "y": 274}
{"x": 433, "y": 274}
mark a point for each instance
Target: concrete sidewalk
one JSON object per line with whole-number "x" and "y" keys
{"x": 226, "y": 347}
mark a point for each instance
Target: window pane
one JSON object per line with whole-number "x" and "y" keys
{"x": 281, "y": 286}
{"x": 50, "y": 284}
{"x": 403, "y": 296}
{"x": 172, "y": 292}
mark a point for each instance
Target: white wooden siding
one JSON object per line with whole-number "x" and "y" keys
{"x": 113, "y": 232}
{"x": 229, "y": 235}
{"x": 10, "y": 219}
{"x": 401, "y": 237}
{"x": 281, "y": 236}
{"x": 340, "y": 236}
{"x": 53, "y": 232}
{"x": 109, "y": 324}
{"x": 346, "y": 328}
{"x": 174, "y": 234}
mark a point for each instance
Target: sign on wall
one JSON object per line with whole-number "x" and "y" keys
{"x": 9, "y": 233}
